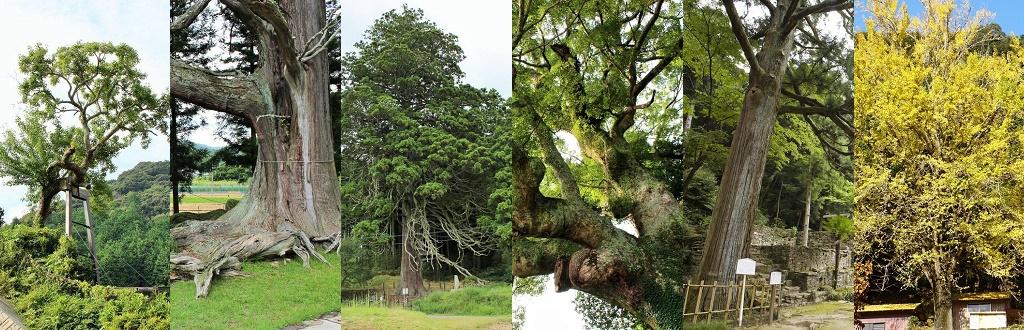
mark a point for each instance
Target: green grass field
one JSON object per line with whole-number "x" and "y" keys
{"x": 373, "y": 317}
{"x": 189, "y": 199}
{"x": 273, "y": 296}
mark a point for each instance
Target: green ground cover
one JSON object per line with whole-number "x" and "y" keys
{"x": 274, "y": 295}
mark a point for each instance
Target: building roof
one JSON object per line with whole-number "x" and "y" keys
{"x": 980, "y": 296}
{"x": 889, "y": 307}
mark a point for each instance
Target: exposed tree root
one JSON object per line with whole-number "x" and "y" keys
{"x": 205, "y": 256}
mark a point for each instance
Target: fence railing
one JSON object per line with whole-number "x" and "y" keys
{"x": 389, "y": 295}
{"x": 707, "y": 301}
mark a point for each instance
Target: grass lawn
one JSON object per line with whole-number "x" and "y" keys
{"x": 271, "y": 297}
{"x": 480, "y": 301}
{"x": 373, "y": 317}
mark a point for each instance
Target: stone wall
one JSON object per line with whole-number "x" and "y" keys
{"x": 808, "y": 268}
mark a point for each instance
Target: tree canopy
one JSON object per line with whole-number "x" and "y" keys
{"x": 424, "y": 155}
{"x": 938, "y": 162}
{"x": 86, "y": 102}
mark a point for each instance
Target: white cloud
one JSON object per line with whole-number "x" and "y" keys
{"x": 52, "y": 23}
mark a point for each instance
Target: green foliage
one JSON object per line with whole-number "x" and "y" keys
{"x": 39, "y": 275}
{"x": 151, "y": 202}
{"x": 28, "y": 150}
{"x": 598, "y": 314}
{"x": 421, "y": 150}
{"x": 142, "y": 176}
{"x": 938, "y": 144}
{"x": 361, "y": 251}
{"x": 474, "y": 300}
{"x": 841, "y": 294}
{"x": 132, "y": 248}
{"x": 108, "y": 89}
{"x": 224, "y": 172}
{"x": 230, "y": 204}
{"x": 841, "y": 226}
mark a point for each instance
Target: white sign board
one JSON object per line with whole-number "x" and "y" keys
{"x": 990, "y": 320}
{"x": 405, "y": 291}
{"x": 775, "y": 278}
{"x": 745, "y": 266}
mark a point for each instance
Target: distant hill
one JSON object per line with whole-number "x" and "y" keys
{"x": 210, "y": 149}
{"x": 141, "y": 177}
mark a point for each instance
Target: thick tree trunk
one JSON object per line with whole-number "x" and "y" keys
{"x": 733, "y": 216}
{"x": 807, "y": 215}
{"x": 942, "y": 297}
{"x": 411, "y": 269}
{"x": 44, "y": 209}
{"x": 293, "y": 197}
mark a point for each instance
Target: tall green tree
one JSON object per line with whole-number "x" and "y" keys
{"x": 95, "y": 87}
{"x": 773, "y": 88}
{"x": 660, "y": 111}
{"x": 938, "y": 145}
{"x": 423, "y": 152}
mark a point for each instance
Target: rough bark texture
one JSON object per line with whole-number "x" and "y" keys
{"x": 942, "y": 296}
{"x": 411, "y": 269}
{"x": 293, "y": 198}
{"x": 732, "y": 218}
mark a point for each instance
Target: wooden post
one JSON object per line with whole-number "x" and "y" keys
{"x": 728, "y": 300}
{"x": 686, "y": 298}
{"x": 771, "y": 310}
{"x": 743, "y": 292}
{"x": 700, "y": 300}
{"x": 711, "y": 309}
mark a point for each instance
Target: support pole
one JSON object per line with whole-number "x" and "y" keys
{"x": 743, "y": 292}
{"x": 67, "y": 213}
{"x": 89, "y": 239}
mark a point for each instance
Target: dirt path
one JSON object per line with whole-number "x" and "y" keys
{"x": 327, "y": 322}
{"x": 826, "y": 316}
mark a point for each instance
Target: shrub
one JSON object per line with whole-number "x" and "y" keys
{"x": 230, "y": 204}
{"x": 841, "y": 294}
{"x": 483, "y": 300}
{"x": 39, "y": 275}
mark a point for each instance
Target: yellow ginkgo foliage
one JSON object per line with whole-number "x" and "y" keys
{"x": 939, "y": 150}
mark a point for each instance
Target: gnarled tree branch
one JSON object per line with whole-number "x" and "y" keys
{"x": 237, "y": 95}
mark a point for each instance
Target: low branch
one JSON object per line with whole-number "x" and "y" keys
{"x": 186, "y": 19}
{"x": 237, "y": 95}
{"x": 741, "y": 36}
{"x": 819, "y": 8}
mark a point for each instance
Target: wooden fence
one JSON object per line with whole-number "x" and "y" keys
{"x": 707, "y": 301}
{"x": 389, "y": 295}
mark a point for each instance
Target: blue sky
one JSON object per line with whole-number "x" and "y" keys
{"x": 143, "y": 25}
{"x": 1007, "y": 13}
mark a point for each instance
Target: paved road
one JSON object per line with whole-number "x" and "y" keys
{"x": 8, "y": 319}
{"x": 326, "y": 322}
